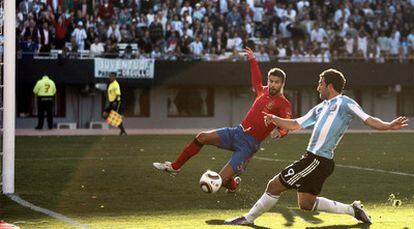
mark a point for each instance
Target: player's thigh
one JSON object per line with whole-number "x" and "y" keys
{"x": 240, "y": 159}
{"x": 210, "y": 137}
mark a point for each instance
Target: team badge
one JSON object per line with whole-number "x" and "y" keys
{"x": 270, "y": 105}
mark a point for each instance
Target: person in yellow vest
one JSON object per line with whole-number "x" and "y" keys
{"x": 114, "y": 99}
{"x": 45, "y": 91}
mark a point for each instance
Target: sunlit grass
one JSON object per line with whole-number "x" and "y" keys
{"x": 109, "y": 182}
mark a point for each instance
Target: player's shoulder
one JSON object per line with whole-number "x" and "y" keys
{"x": 283, "y": 100}
{"x": 347, "y": 100}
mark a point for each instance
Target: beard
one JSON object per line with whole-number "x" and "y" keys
{"x": 273, "y": 91}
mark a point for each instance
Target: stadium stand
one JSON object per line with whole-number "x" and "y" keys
{"x": 286, "y": 30}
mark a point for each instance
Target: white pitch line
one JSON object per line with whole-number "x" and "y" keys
{"x": 345, "y": 166}
{"x": 48, "y": 212}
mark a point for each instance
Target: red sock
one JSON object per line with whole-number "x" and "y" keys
{"x": 232, "y": 185}
{"x": 190, "y": 150}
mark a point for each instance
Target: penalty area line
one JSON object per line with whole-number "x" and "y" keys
{"x": 346, "y": 166}
{"x": 45, "y": 211}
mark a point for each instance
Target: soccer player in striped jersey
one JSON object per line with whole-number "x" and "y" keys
{"x": 330, "y": 119}
{"x": 244, "y": 139}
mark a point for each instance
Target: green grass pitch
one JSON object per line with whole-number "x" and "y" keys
{"x": 109, "y": 182}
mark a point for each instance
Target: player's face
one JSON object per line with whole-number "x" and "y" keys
{"x": 323, "y": 89}
{"x": 274, "y": 84}
{"x": 112, "y": 78}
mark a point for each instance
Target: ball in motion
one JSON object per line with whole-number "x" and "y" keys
{"x": 210, "y": 182}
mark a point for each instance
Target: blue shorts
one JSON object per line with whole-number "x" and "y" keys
{"x": 243, "y": 145}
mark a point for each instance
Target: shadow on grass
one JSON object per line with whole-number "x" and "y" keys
{"x": 358, "y": 225}
{"x": 291, "y": 214}
{"x": 221, "y": 222}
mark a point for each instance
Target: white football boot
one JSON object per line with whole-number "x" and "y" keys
{"x": 166, "y": 166}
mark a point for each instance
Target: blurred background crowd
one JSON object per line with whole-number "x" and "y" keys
{"x": 217, "y": 30}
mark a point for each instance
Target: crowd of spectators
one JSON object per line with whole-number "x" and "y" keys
{"x": 214, "y": 30}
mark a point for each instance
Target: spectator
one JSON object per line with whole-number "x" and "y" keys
{"x": 29, "y": 48}
{"x": 281, "y": 51}
{"x": 79, "y": 34}
{"x": 196, "y": 47}
{"x": 156, "y": 53}
{"x": 199, "y": 12}
{"x": 234, "y": 18}
{"x": 97, "y": 48}
{"x": 45, "y": 38}
{"x": 262, "y": 55}
{"x": 26, "y": 7}
{"x": 155, "y": 30}
{"x": 61, "y": 29}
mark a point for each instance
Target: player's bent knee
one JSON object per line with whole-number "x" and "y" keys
{"x": 202, "y": 137}
{"x": 305, "y": 205}
{"x": 274, "y": 186}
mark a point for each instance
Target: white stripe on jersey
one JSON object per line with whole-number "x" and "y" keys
{"x": 324, "y": 109}
{"x": 358, "y": 111}
{"x": 326, "y": 126}
{"x": 304, "y": 172}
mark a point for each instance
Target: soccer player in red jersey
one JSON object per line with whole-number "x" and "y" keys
{"x": 244, "y": 139}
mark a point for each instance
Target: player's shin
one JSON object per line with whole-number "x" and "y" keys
{"x": 326, "y": 205}
{"x": 190, "y": 150}
{"x": 264, "y": 204}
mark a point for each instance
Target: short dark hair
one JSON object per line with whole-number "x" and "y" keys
{"x": 278, "y": 73}
{"x": 334, "y": 77}
{"x": 112, "y": 74}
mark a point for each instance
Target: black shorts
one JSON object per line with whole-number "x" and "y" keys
{"x": 308, "y": 174}
{"x": 116, "y": 106}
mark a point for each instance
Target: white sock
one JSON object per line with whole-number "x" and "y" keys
{"x": 264, "y": 204}
{"x": 326, "y": 205}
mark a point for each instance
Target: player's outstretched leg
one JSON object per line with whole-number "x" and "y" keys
{"x": 193, "y": 148}
{"x": 355, "y": 209}
{"x": 264, "y": 204}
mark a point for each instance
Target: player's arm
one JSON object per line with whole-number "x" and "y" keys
{"x": 256, "y": 75}
{"x": 36, "y": 88}
{"x": 284, "y": 112}
{"x": 379, "y": 124}
{"x": 284, "y": 123}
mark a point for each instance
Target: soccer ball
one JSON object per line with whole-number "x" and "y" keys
{"x": 210, "y": 182}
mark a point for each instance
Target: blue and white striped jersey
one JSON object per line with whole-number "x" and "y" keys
{"x": 331, "y": 119}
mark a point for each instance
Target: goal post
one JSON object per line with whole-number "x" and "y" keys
{"x": 9, "y": 94}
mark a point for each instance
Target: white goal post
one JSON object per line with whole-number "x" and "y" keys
{"x": 9, "y": 95}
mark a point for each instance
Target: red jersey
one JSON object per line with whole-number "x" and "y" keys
{"x": 253, "y": 123}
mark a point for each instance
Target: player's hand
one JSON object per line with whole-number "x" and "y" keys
{"x": 399, "y": 123}
{"x": 275, "y": 134}
{"x": 249, "y": 53}
{"x": 268, "y": 118}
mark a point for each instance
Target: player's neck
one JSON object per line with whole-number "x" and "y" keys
{"x": 333, "y": 95}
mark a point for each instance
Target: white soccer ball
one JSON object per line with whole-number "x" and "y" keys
{"x": 210, "y": 182}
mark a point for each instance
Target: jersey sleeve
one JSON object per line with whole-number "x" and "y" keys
{"x": 285, "y": 112}
{"x": 307, "y": 120}
{"x": 256, "y": 77}
{"x": 355, "y": 110}
{"x": 36, "y": 88}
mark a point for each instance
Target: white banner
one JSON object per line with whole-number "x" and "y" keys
{"x": 127, "y": 69}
